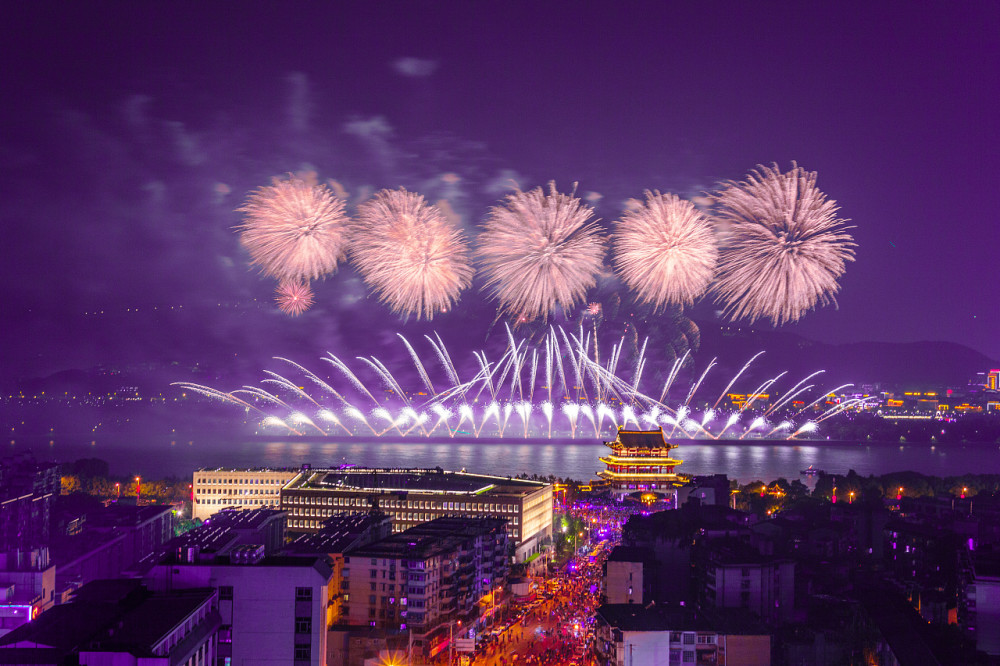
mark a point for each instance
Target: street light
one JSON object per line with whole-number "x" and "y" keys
{"x": 451, "y": 640}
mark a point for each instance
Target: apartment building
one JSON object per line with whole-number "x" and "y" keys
{"x": 427, "y": 580}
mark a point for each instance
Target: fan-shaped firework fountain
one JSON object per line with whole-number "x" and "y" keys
{"x": 555, "y": 389}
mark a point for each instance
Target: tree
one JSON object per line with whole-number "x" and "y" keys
{"x": 70, "y": 484}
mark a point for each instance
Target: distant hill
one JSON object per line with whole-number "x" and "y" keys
{"x": 916, "y": 364}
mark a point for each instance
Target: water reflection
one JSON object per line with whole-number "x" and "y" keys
{"x": 572, "y": 459}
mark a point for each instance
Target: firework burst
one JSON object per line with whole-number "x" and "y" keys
{"x": 294, "y": 229}
{"x": 665, "y": 250}
{"x": 787, "y": 247}
{"x": 294, "y": 298}
{"x": 414, "y": 259}
{"x": 539, "y": 251}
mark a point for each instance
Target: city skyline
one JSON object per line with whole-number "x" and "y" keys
{"x": 139, "y": 132}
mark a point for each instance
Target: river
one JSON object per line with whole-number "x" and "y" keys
{"x": 575, "y": 459}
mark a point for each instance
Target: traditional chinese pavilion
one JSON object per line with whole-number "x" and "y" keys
{"x": 640, "y": 460}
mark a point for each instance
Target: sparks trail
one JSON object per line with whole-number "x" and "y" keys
{"x": 494, "y": 399}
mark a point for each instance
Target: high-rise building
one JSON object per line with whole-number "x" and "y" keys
{"x": 414, "y": 496}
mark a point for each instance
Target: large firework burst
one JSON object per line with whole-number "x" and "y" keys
{"x": 294, "y": 229}
{"x": 539, "y": 251}
{"x": 787, "y": 247}
{"x": 294, "y": 298}
{"x": 409, "y": 253}
{"x": 665, "y": 250}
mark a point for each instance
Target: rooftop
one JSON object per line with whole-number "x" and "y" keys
{"x": 249, "y": 469}
{"x": 244, "y": 519}
{"x": 631, "y": 554}
{"x": 338, "y": 533}
{"x": 431, "y": 538}
{"x": 641, "y": 439}
{"x": 107, "y": 611}
{"x": 411, "y": 480}
{"x": 636, "y": 617}
{"x": 666, "y": 617}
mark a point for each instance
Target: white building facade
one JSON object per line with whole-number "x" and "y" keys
{"x": 217, "y": 489}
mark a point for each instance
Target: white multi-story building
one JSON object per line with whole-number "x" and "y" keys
{"x": 415, "y": 496}
{"x": 217, "y": 489}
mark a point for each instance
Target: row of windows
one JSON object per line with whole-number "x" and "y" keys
{"x": 230, "y": 501}
{"x": 401, "y": 504}
{"x": 238, "y": 491}
{"x": 248, "y": 481}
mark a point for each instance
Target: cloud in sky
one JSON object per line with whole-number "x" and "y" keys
{"x": 414, "y": 67}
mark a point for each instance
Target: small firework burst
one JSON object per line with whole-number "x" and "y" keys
{"x": 592, "y": 310}
{"x": 539, "y": 251}
{"x": 665, "y": 250}
{"x": 410, "y": 254}
{"x": 787, "y": 247}
{"x": 294, "y": 229}
{"x": 294, "y": 298}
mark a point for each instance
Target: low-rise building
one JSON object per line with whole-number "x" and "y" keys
{"x": 628, "y": 572}
{"x": 113, "y": 539}
{"x": 27, "y": 586}
{"x": 414, "y": 496}
{"x": 632, "y": 634}
{"x": 273, "y": 609}
{"x": 257, "y": 488}
{"x": 120, "y": 622}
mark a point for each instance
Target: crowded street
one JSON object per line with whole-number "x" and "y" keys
{"x": 554, "y": 625}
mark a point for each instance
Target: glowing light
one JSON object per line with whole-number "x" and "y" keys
{"x": 410, "y": 254}
{"x": 665, "y": 250}
{"x": 294, "y": 297}
{"x": 540, "y": 251}
{"x": 294, "y": 229}
{"x": 786, "y": 248}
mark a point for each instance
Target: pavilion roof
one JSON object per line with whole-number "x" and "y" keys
{"x": 641, "y": 439}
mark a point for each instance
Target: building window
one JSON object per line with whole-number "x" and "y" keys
{"x": 303, "y": 594}
{"x": 303, "y": 625}
{"x": 226, "y": 633}
{"x": 226, "y": 592}
{"x": 302, "y": 652}
{"x": 689, "y": 657}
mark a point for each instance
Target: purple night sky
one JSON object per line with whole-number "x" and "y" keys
{"x": 131, "y": 132}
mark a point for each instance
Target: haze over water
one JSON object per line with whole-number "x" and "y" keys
{"x": 575, "y": 459}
